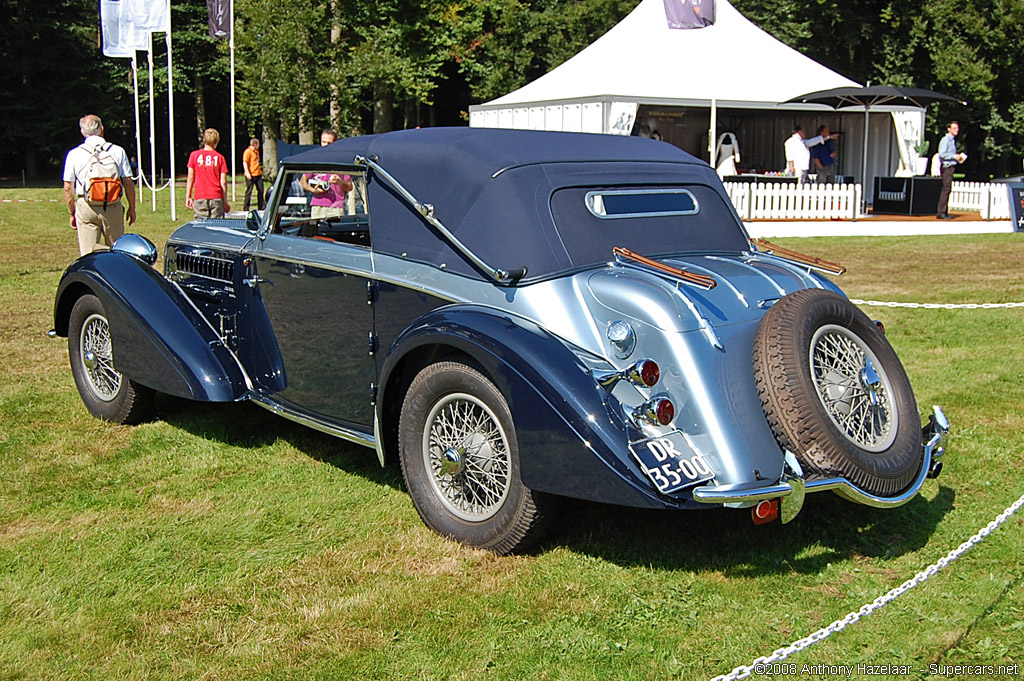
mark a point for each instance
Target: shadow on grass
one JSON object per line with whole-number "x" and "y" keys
{"x": 248, "y": 425}
{"x": 828, "y": 529}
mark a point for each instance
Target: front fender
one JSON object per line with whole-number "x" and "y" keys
{"x": 568, "y": 442}
{"x": 158, "y": 339}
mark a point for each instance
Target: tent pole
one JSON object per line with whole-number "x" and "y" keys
{"x": 711, "y": 132}
{"x": 864, "y": 162}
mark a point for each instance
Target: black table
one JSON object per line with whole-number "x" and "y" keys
{"x": 918, "y": 195}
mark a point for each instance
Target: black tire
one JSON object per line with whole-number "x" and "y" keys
{"x": 835, "y": 394}
{"x": 477, "y": 498}
{"x": 107, "y": 393}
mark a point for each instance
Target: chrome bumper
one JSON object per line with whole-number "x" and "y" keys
{"x": 791, "y": 487}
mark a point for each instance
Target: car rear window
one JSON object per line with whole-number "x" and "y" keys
{"x": 591, "y": 221}
{"x": 628, "y": 203}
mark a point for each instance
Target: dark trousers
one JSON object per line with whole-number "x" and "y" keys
{"x": 261, "y": 201}
{"x": 947, "y": 186}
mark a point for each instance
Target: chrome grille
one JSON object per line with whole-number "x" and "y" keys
{"x": 206, "y": 266}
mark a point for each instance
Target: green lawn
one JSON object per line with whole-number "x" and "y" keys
{"x": 221, "y": 542}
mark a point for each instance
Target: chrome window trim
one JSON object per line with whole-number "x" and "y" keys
{"x": 589, "y": 201}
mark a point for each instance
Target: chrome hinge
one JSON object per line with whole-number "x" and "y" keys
{"x": 372, "y": 338}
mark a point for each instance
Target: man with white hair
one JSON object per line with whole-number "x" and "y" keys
{"x": 96, "y": 173}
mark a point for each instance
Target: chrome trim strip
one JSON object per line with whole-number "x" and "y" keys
{"x": 293, "y": 415}
{"x": 426, "y": 210}
{"x": 934, "y": 433}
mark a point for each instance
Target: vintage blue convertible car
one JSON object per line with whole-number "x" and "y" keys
{"x": 516, "y": 317}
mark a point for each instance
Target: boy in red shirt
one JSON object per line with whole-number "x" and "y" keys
{"x": 207, "y": 176}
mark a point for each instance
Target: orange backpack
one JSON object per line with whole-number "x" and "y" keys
{"x": 102, "y": 177}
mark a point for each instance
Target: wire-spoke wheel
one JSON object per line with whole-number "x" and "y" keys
{"x": 854, "y": 388}
{"x": 106, "y": 392}
{"x": 835, "y": 394}
{"x": 460, "y": 460}
{"x": 94, "y": 350}
{"x": 467, "y": 455}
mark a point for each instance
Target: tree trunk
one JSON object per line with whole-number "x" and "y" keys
{"x": 271, "y": 133}
{"x": 335, "y": 37}
{"x": 383, "y": 110}
{"x": 200, "y": 97}
{"x": 306, "y": 135}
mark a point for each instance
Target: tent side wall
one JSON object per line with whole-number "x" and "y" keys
{"x": 597, "y": 115}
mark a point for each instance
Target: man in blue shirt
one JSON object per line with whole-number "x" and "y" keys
{"x": 824, "y": 156}
{"x": 948, "y": 158}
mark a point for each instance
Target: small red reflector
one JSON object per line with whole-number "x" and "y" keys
{"x": 881, "y": 326}
{"x": 650, "y": 372}
{"x": 765, "y": 512}
{"x": 666, "y": 411}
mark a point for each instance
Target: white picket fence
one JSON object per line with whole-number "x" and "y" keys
{"x": 787, "y": 201}
{"x": 991, "y": 199}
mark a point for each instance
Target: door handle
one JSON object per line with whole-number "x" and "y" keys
{"x": 251, "y": 283}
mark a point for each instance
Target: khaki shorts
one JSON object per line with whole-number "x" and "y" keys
{"x": 208, "y": 208}
{"x": 319, "y": 212}
{"x": 98, "y": 227}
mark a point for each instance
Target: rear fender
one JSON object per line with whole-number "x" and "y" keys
{"x": 568, "y": 443}
{"x": 158, "y": 338}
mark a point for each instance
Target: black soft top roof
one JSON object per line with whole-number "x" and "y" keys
{"x": 495, "y": 191}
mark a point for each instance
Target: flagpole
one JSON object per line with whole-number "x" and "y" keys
{"x": 152, "y": 125}
{"x": 170, "y": 109}
{"x": 231, "y": 44}
{"x": 138, "y": 131}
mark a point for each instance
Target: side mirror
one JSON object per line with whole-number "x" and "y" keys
{"x": 252, "y": 221}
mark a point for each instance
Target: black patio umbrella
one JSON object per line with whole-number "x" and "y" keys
{"x": 869, "y": 96}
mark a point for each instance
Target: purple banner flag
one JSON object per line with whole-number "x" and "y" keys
{"x": 689, "y": 13}
{"x": 220, "y": 19}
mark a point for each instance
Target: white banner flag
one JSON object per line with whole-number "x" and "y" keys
{"x": 147, "y": 15}
{"x": 120, "y": 37}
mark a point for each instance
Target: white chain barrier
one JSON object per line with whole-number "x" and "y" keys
{"x": 758, "y": 665}
{"x": 937, "y": 306}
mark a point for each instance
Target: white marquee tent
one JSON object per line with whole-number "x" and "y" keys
{"x": 641, "y": 66}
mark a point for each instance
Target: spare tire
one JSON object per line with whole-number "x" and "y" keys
{"x": 835, "y": 394}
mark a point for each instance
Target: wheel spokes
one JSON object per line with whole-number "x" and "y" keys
{"x": 97, "y": 358}
{"x": 481, "y": 478}
{"x": 851, "y": 389}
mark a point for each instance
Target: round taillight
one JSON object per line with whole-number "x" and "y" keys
{"x": 665, "y": 411}
{"x": 650, "y": 372}
{"x": 881, "y": 326}
{"x": 622, "y": 337}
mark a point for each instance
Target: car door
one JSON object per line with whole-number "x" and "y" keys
{"x": 310, "y": 320}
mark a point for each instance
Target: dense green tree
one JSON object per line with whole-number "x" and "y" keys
{"x": 371, "y": 65}
{"x": 53, "y": 73}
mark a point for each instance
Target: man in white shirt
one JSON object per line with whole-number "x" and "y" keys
{"x": 98, "y": 226}
{"x": 798, "y": 154}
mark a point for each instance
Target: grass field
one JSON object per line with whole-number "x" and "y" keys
{"x": 221, "y": 542}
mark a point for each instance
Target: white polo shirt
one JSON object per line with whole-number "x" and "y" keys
{"x": 77, "y": 162}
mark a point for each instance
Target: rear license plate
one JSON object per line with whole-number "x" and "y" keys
{"x": 670, "y": 462}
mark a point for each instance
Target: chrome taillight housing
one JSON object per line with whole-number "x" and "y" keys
{"x": 658, "y": 411}
{"x": 644, "y": 373}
